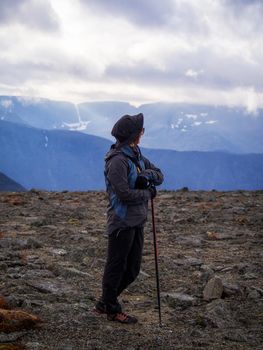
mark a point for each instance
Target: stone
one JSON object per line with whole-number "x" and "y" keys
{"x": 230, "y": 290}
{"x": 34, "y": 345}
{"x": 194, "y": 262}
{"x": 179, "y": 299}
{"x": 260, "y": 290}
{"x": 190, "y": 241}
{"x": 70, "y": 272}
{"x": 59, "y": 252}
{"x": 218, "y": 314}
{"x": 66, "y": 347}
{"x": 5, "y": 243}
{"x": 213, "y": 289}
{"x": 14, "y": 336}
{"x": 17, "y": 320}
{"x": 32, "y": 243}
{"x": 254, "y": 294}
{"x": 3, "y": 267}
{"x": 236, "y": 336}
{"x": 144, "y": 274}
{"x": 49, "y": 286}
{"x": 206, "y": 272}
{"x": 250, "y": 276}
{"x": 188, "y": 261}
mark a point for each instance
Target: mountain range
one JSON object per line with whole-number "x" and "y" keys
{"x": 9, "y": 185}
{"x": 173, "y": 126}
{"x": 69, "y": 160}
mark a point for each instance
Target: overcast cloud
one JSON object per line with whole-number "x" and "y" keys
{"x": 208, "y": 51}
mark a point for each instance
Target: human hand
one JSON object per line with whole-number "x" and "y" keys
{"x": 142, "y": 182}
{"x": 153, "y": 191}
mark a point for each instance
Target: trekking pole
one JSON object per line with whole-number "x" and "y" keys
{"x": 156, "y": 264}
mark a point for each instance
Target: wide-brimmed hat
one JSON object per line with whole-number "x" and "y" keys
{"x": 128, "y": 128}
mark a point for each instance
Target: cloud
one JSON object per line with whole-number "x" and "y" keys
{"x": 242, "y": 4}
{"x": 37, "y": 14}
{"x": 192, "y": 73}
{"x": 245, "y": 16}
{"x": 152, "y": 14}
{"x": 209, "y": 51}
{"x": 209, "y": 68}
{"x": 146, "y": 13}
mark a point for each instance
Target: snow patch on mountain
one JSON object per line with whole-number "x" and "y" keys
{"x": 46, "y": 139}
{"x": 196, "y": 123}
{"x": 191, "y": 116}
{"x": 211, "y": 121}
{"x": 80, "y": 126}
{"x": 7, "y": 104}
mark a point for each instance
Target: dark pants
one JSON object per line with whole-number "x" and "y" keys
{"x": 122, "y": 266}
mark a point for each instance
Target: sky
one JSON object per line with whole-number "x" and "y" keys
{"x": 139, "y": 51}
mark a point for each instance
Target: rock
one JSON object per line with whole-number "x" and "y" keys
{"x": 188, "y": 261}
{"x": 6, "y": 338}
{"x": 39, "y": 273}
{"x": 221, "y": 236}
{"x": 194, "y": 262}
{"x": 14, "y": 301}
{"x": 254, "y": 294}
{"x": 29, "y": 243}
{"x": 179, "y": 299}
{"x": 206, "y": 272}
{"x": 69, "y": 272}
{"x": 34, "y": 345}
{"x": 236, "y": 336}
{"x": 29, "y": 303}
{"x": 32, "y": 243}
{"x": 66, "y": 347}
{"x": 190, "y": 241}
{"x": 250, "y": 276}
{"x": 218, "y": 314}
{"x": 15, "y": 320}
{"x": 213, "y": 289}
{"x": 50, "y": 286}
{"x": 260, "y": 290}
{"x": 144, "y": 274}
{"x": 227, "y": 268}
{"x": 59, "y": 252}
{"x": 230, "y": 290}
{"x": 5, "y": 242}
{"x": 3, "y": 267}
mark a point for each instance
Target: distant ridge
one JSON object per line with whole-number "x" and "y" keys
{"x": 9, "y": 185}
{"x": 57, "y": 160}
{"x": 174, "y": 126}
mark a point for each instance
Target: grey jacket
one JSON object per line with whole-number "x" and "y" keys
{"x": 128, "y": 206}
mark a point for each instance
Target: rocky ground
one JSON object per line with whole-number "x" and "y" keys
{"x": 52, "y": 254}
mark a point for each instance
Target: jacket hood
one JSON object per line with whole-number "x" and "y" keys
{"x": 132, "y": 153}
{"x": 112, "y": 152}
{"x": 127, "y": 128}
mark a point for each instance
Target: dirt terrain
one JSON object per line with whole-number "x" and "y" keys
{"x": 52, "y": 254}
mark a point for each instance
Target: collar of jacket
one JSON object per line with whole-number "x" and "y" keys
{"x": 133, "y": 153}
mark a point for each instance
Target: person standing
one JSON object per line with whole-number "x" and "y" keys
{"x": 130, "y": 180}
